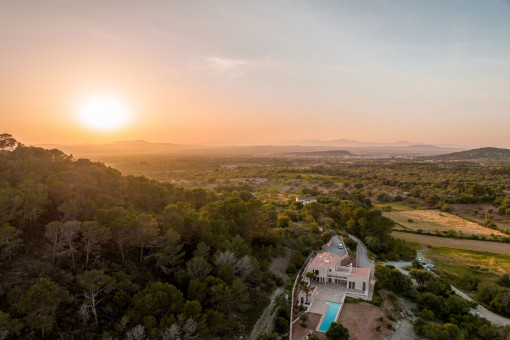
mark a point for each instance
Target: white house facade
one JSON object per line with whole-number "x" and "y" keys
{"x": 306, "y": 200}
{"x": 328, "y": 269}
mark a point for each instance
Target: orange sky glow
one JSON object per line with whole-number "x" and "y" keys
{"x": 262, "y": 72}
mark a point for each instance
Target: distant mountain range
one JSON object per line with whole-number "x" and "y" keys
{"x": 356, "y": 143}
{"x": 330, "y": 153}
{"x": 360, "y": 149}
{"x": 488, "y": 153}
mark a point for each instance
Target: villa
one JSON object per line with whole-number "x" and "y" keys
{"x": 325, "y": 282}
{"x": 306, "y": 200}
{"x": 332, "y": 268}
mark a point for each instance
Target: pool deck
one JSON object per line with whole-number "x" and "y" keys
{"x": 323, "y": 294}
{"x": 332, "y": 292}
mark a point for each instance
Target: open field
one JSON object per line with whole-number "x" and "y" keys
{"x": 483, "y": 246}
{"x": 433, "y": 220}
{"x": 479, "y": 212}
{"x": 457, "y": 263}
{"x": 361, "y": 319}
{"x": 398, "y": 206}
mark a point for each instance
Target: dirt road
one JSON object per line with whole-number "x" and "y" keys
{"x": 265, "y": 322}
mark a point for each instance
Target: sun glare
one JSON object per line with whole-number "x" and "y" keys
{"x": 103, "y": 112}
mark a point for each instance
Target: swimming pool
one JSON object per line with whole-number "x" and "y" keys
{"x": 330, "y": 316}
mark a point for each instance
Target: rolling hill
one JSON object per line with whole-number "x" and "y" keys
{"x": 488, "y": 153}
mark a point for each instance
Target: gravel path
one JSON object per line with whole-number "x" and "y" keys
{"x": 265, "y": 322}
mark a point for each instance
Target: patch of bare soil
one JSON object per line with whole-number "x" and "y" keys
{"x": 279, "y": 265}
{"x": 281, "y": 197}
{"x": 366, "y": 321}
{"x": 299, "y": 331}
{"x": 362, "y": 321}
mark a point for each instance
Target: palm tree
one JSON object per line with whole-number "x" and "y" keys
{"x": 311, "y": 276}
{"x": 306, "y": 288}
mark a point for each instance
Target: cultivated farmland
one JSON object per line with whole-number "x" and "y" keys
{"x": 485, "y": 246}
{"x": 433, "y": 221}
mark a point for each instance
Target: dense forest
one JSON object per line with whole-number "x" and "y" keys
{"x": 89, "y": 253}
{"x": 86, "y": 251}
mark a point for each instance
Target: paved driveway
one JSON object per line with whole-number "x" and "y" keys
{"x": 333, "y": 248}
{"x": 363, "y": 261}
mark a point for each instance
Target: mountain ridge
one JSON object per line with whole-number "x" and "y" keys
{"x": 485, "y": 153}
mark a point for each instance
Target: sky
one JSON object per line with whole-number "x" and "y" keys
{"x": 252, "y": 72}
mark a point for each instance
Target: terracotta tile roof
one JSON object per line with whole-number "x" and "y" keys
{"x": 360, "y": 272}
{"x": 326, "y": 260}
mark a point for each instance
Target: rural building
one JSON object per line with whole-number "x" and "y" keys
{"x": 306, "y": 200}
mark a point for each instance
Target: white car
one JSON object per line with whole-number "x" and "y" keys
{"x": 340, "y": 246}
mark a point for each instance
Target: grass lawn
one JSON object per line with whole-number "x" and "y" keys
{"x": 454, "y": 264}
{"x": 414, "y": 245}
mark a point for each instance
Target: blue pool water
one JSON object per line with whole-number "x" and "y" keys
{"x": 330, "y": 316}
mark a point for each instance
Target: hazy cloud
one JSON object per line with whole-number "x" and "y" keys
{"x": 231, "y": 67}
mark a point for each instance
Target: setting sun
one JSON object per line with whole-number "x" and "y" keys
{"x": 103, "y": 112}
